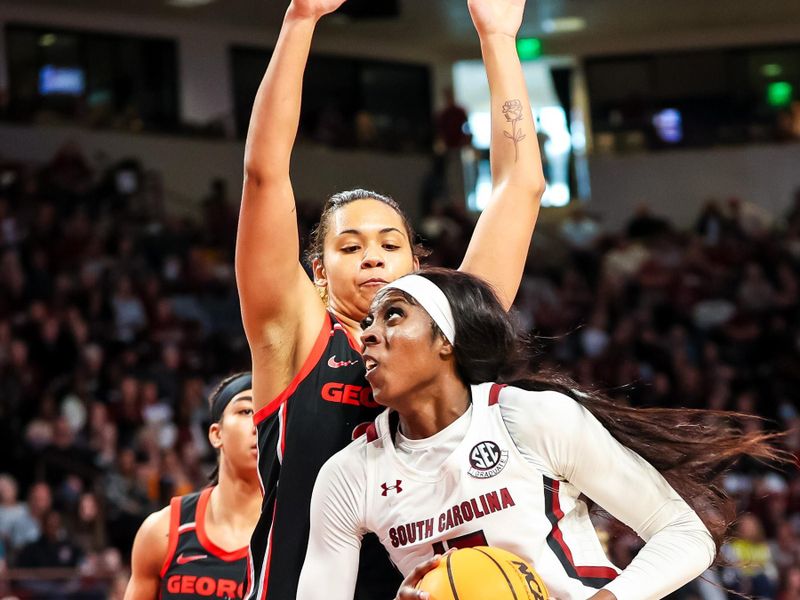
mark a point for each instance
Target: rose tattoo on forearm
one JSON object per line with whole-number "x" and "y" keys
{"x": 512, "y": 110}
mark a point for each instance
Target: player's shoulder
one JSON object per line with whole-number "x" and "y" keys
{"x": 348, "y": 463}
{"x": 157, "y": 523}
{"x": 152, "y": 539}
{"x": 542, "y": 408}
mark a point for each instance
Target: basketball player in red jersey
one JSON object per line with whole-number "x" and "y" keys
{"x": 459, "y": 460}
{"x": 197, "y": 546}
{"x": 308, "y": 376}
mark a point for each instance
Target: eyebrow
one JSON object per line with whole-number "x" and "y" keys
{"x": 388, "y": 299}
{"x": 243, "y": 399}
{"x": 357, "y": 232}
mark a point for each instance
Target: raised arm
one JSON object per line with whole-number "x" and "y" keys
{"x": 499, "y": 246}
{"x": 273, "y": 288}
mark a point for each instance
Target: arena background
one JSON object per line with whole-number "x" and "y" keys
{"x": 665, "y": 268}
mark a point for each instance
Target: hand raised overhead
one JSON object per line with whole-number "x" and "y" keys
{"x": 497, "y": 16}
{"x": 314, "y": 8}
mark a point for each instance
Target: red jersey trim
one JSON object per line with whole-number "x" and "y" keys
{"x": 494, "y": 393}
{"x": 371, "y": 433}
{"x": 202, "y": 536}
{"x": 351, "y": 340}
{"x": 311, "y": 361}
{"x": 174, "y": 523}
{"x": 592, "y": 576}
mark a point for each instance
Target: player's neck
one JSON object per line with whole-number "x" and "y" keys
{"x": 434, "y": 408}
{"x": 352, "y": 326}
{"x": 243, "y": 494}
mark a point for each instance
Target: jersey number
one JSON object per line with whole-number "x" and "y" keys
{"x": 469, "y": 540}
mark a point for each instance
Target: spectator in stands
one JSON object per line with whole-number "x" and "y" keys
{"x": 25, "y": 525}
{"x": 790, "y": 588}
{"x": 453, "y": 136}
{"x": 785, "y": 548}
{"x": 580, "y": 230}
{"x": 753, "y": 568}
{"x": 16, "y": 528}
{"x": 126, "y": 499}
{"x": 52, "y": 549}
{"x": 644, "y": 224}
{"x": 129, "y": 315}
{"x": 452, "y": 125}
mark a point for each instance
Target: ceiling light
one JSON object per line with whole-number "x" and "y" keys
{"x": 563, "y": 24}
{"x": 188, "y": 3}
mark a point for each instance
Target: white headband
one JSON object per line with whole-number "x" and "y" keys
{"x": 431, "y": 298}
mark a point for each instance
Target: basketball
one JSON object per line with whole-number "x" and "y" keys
{"x": 483, "y": 573}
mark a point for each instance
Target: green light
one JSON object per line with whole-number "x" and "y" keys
{"x": 779, "y": 93}
{"x": 771, "y": 70}
{"x": 529, "y": 48}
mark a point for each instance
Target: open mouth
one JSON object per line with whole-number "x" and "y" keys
{"x": 370, "y": 364}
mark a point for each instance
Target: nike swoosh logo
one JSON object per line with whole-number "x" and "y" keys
{"x": 335, "y": 364}
{"x": 182, "y": 560}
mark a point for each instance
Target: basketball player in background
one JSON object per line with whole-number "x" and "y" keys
{"x": 475, "y": 450}
{"x": 197, "y": 546}
{"x": 308, "y": 376}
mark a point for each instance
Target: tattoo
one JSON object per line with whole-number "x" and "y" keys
{"x": 512, "y": 110}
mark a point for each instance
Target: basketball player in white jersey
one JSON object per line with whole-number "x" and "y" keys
{"x": 459, "y": 460}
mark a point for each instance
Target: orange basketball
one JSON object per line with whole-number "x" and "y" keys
{"x": 483, "y": 573}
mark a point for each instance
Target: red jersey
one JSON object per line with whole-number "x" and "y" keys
{"x": 195, "y": 567}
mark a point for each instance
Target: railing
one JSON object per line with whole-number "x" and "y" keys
{"x": 57, "y": 584}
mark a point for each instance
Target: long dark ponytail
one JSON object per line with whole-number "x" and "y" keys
{"x": 691, "y": 448}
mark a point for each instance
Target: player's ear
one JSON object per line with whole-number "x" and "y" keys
{"x": 215, "y": 435}
{"x": 445, "y": 349}
{"x": 320, "y": 275}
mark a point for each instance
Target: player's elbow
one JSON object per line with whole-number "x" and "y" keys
{"x": 523, "y": 187}
{"x": 688, "y": 532}
{"x": 261, "y": 171}
{"x": 531, "y": 187}
{"x": 255, "y": 176}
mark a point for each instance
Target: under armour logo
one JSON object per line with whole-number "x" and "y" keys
{"x": 396, "y": 487}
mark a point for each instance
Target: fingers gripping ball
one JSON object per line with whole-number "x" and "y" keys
{"x": 483, "y": 573}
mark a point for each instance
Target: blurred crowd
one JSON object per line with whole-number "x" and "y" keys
{"x": 116, "y": 320}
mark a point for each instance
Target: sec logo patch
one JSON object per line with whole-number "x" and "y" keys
{"x": 486, "y": 459}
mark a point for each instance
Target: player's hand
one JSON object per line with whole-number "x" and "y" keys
{"x": 314, "y": 9}
{"x": 502, "y": 17}
{"x": 407, "y": 589}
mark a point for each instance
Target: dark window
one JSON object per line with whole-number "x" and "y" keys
{"x": 96, "y": 79}
{"x": 347, "y": 102}
{"x": 692, "y": 99}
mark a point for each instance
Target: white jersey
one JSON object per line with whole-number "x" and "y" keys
{"x": 512, "y": 478}
{"x": 485, "y": 494}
